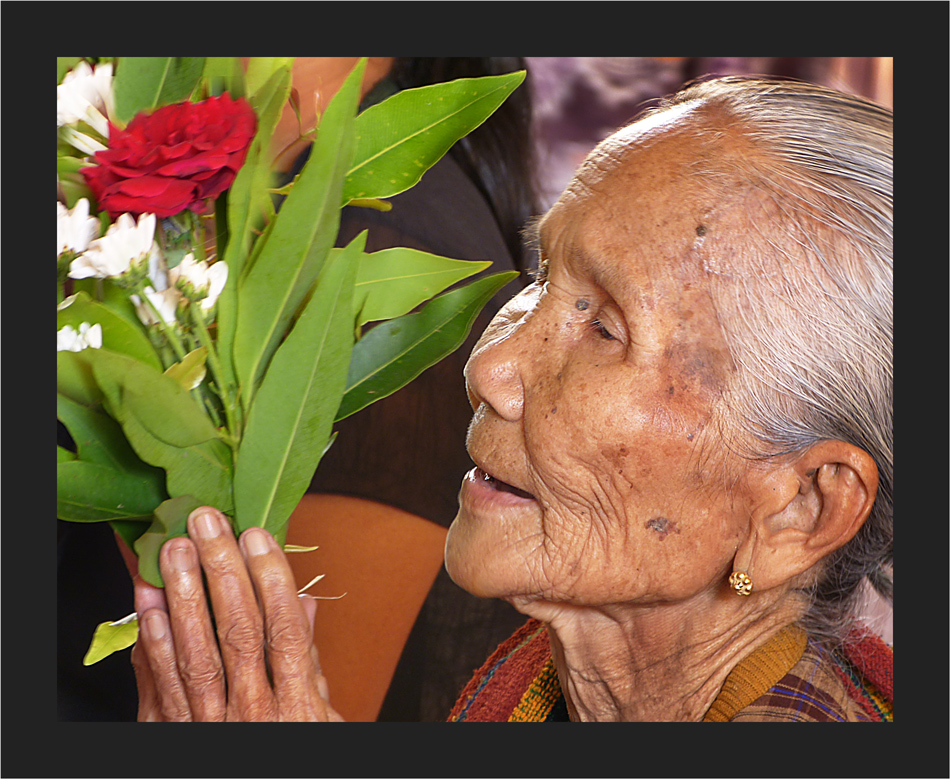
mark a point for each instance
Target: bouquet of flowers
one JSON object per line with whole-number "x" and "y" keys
{"x": 207, "y": 340}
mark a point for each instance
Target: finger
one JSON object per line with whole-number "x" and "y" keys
{"x": 309, "y": 604}
{"x": 146, "y": 597}
{"x": 288, "y": 632}
{"x": 198, "y": 661}
{"x": 163, "y": 697}
{"x": 240, "y": 625}
{"x": 149, "y": 707}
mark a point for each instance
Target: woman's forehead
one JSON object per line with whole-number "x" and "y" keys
{"x": 654, "y": 196}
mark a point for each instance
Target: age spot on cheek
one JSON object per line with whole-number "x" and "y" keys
{"x": 662, "y": 527}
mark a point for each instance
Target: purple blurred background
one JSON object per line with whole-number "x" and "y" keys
{"x": 578, "y": 101}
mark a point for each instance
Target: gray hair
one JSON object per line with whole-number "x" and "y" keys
{"x": 815, "y": 354}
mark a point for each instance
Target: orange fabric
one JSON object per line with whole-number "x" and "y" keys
{"x": 385, "y": 560}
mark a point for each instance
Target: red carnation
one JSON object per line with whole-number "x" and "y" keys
{"x": 177, "y": 157}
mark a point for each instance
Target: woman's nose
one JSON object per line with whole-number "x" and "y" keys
{"x": 493, "y": 374}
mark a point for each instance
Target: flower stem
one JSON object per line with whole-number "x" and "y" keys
{"x": 214, "y": 363}
{"x": 168, "y": 332}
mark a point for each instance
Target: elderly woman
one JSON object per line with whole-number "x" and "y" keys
{"x": 682, "y": 438}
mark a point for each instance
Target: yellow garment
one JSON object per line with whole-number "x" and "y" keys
{"x": 755, "y": 674}
{"x": 749, "y": 680}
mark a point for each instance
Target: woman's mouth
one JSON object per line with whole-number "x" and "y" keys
{"x": 483, "y": 479}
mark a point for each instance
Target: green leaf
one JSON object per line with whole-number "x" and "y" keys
{"x": 166, "y": 427}
{"x": 203, "y": 470}
{"x": 74, "y": 377}
{"x": 69, "y": 165}
{"x": 191, "y": 370}
{"x": 144, "y": 83}
{"x": 296, "y": 248}
{"x": 170, "y": 521}
{"x": 392, "y": 282}
{"x": 393, "y": 353}
{"x": 89, "y": 492}
{"x": 118, "y": 333}
{"x": 166, "y": 410}
{"x": 99, "y": 438}
{"x": 224, "y": 74}
{"x": 400, "y": 138}
{"x": 246, "y": 202}
{"x": 64, "y": 65}
{"x": 291, "y": 419}
{"x": 109, "y": 294}
{"x": 109, "y": 638}
{"x": 64, "y": 455}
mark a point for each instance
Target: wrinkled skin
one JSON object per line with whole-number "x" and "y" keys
{"x": 594, "y": 390}
{"x": 260, "y": 666}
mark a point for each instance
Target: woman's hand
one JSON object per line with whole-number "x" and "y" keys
{"x": 260, "y": 664}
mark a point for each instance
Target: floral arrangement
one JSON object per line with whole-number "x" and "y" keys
{"x": 207, "y": 341}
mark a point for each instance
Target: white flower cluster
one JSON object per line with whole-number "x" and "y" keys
{"x": 129, "y": 244}
{"x": 75, "y": 229}
{"x": 190, "y": 277}
{"x": 85, "y": 95}
{"x": 71, "y": 340}
{"x": 126, "y": 242}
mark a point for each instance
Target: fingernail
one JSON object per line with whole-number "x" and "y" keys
{"x": 256, "y": 542}
{"x": 182, "y": 558}
{"x": 207, "y": 525}
{"x": 156, "y": 625}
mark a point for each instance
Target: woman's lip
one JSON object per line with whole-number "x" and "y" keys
{"x": 483, "y": 488}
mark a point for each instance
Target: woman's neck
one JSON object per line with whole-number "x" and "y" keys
{"x": 656, "y": 663}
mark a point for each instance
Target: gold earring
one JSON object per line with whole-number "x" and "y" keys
{"x": 740, "y": 582}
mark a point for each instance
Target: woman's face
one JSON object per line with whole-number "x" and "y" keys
{"x": 601, "y": 476}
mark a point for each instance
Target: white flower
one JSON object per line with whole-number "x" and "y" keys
{"x": 165, "y": 302}
{"x": 202, "y": 277}
{"x": 75, "y": 229}
{"x": 124, "y": 243}
{"x": 157, "y": 273}
{"x": 70, "y": 340}
{"x": 85, "y": 95}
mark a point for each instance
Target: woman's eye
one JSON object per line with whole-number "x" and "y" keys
{"x": 602, "y": 331}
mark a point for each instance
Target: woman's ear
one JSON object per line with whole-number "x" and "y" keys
{"x": 807, "y": 509}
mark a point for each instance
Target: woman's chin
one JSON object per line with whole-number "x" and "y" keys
{"x": 482, "y": 552}
{"x": 459, "y": 564}
{"x": 473, "y": 561}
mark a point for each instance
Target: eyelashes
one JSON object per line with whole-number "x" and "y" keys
{"x": 539, "y": 275}
{"x": 598, "y": 327}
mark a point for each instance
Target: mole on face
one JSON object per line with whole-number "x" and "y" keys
{"x": 581, "y": 305}
{"x": 662, "y": 527}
